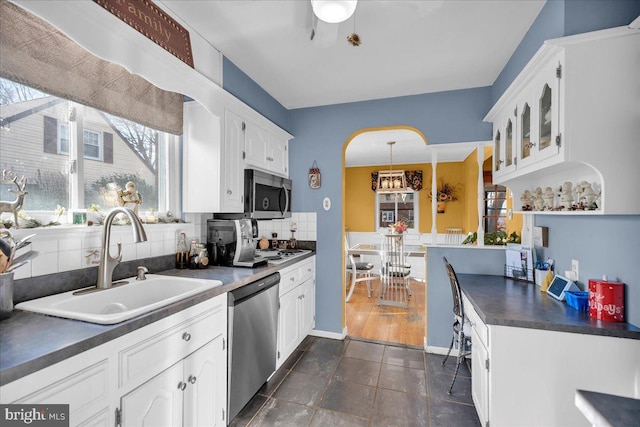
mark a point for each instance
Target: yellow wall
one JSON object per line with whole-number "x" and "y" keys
{"x": 360, "y": 199}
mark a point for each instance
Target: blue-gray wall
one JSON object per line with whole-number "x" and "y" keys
{"x": 236, "y": 82}
{"x": 456, "y": 116}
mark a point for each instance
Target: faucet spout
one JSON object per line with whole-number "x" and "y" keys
{"x": 107, "y": 262}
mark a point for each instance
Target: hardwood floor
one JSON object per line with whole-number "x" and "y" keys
{"x": 365, "y": 319}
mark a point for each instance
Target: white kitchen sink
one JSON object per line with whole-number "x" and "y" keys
{"x": 119, "y": 303}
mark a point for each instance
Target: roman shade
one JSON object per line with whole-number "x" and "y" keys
{"x": 36, "y": 54}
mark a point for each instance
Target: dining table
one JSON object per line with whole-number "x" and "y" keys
{"x": 375, "y": 249}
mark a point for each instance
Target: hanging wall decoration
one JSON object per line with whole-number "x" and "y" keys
{"x": 314, "y": 176}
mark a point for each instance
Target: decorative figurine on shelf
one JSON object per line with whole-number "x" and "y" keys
{"x": 526, "y": 200}
{"x": 130, "y": 196}
{"x": 586, "y": 196}
{"x": 549, "y": 198}
{"x": 566, "y": 195}
{"x": 538, "y": 201}
{"x": 15, "y": 206}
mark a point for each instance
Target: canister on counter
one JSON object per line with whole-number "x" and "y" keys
{"x": 606, "y": 300}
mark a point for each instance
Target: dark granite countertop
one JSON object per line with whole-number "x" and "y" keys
{"x": 602, "y": 409}
{"x": 30, "y": 342}
{"x": 507, "y": 302}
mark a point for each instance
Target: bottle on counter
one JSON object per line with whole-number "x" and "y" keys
{"x": 182, "y": 253}
{"x": 274, "y": 241}
{"x": 193, "y": 255}
{"x": 203, "y": 256}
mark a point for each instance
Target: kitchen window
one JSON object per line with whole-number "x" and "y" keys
{"x": 495, "y": 208}
{"x": 394, "y": 207}
{"x": 39, "y": 140}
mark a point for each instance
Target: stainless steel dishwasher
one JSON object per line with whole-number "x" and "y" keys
{"x": 253, "y": 322}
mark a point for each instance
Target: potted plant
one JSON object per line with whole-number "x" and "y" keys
{"x": 446, "y": 193}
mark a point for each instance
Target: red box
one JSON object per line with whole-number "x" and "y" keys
{"x": 606, "y": 300}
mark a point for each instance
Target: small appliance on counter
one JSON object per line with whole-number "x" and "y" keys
{"x": 232, "y": 242}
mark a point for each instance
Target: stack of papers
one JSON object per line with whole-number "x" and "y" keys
{"x": 519, "y": 262}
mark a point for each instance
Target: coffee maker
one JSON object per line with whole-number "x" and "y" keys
{"x": 231, "y": 242}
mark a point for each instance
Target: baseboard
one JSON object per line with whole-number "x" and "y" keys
{"x": 327, "y": 334}
{"x": 437, "y": 350}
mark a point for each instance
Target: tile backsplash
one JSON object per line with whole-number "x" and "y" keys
{"x": 305, "y": 222}
{"x": 67, "y": 248}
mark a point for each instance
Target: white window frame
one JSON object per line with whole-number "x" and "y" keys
{"x": 416, "y": 213}
{"x": 100, "y": 144}
{"x": 63, "y": 125}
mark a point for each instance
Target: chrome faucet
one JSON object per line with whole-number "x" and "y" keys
{"x": 107, "y": 262}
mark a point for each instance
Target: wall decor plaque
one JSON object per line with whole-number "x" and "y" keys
{"x": 156, "y": 25}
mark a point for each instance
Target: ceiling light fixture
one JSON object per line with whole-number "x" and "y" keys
{"x": 334, "y": 11}
{"x": 392, "y": 181}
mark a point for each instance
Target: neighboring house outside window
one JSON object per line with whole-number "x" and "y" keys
{"x": 391, "y": 208}
{"x": 495, "y": 208}
{"x": 92, "y": 144}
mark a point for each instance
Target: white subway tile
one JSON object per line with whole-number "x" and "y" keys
{"x": 143, "y": 250}
{"x": 312, "y": 235}
{"x": 129, "y": 252}
{"x": 44, "y": 244}
{"x": 22, "y": 272}
{"x": 157, "y": 248}
{"x": 70, "y": 260}
{"x": 71, "y": 243}
{"x": 45, "y": 263}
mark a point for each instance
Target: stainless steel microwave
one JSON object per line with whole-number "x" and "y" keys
{"x": 266, "y": 196}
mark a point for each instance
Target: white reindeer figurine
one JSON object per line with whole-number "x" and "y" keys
{"x": 16, "y": 205}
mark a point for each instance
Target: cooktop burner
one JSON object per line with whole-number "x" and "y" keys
{"x": 281, "y": 255}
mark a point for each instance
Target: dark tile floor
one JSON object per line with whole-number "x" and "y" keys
{"x": 356, "y": 383}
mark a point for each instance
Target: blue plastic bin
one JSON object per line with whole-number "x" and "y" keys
{"x": 578, "y": 300}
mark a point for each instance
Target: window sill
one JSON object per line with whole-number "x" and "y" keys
{"x": 71, "y": 229}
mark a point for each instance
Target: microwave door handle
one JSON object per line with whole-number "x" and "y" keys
{"x": 286, "y": 196}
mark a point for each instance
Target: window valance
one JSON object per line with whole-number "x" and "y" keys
{"x": 36, "y": 54}
{"x": 414, "y": 180}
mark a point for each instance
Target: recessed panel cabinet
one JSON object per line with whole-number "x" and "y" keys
{"x": 265, "y": 151}
{"x": 212, "y": 167}
{"x": 571, "y": 116}
{"x": 296, "y": 314}
{"x": 171, "y": 372}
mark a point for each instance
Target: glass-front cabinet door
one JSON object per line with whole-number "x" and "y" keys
{"x": 524, "y": 120}
{"x": 497, "y": 152}
{"x": 509, "y": 151}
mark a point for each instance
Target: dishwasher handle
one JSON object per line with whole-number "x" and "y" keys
{"x": 246, "y": 291}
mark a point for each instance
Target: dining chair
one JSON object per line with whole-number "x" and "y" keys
{"x": 359, "y": 271}
{"x": 394, "y": 272}
{"x": 461, "y": 326}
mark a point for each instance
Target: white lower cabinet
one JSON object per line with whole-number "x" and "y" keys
{"x": 171, "y": 372}
{"x": 296, "y": 315}
{"x": 190, "y": 393}
{"x": 529, "y": 377}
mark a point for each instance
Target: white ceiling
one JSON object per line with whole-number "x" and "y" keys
{"x": 408, "y": 47}
{"x": 371, "y": 149}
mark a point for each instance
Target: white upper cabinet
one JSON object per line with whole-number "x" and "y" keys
{"x": 571, "y": 116}
{"x": 266, "y": 151}
{"x": 212, "y": 164}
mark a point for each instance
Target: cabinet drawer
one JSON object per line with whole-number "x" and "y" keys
{"x": 80, "y": 390}
{"x": 162, "y": 350}
{"x": 307, "y": 270}
{"x": 476, "y": 322}
{"x": 289, "y": 280}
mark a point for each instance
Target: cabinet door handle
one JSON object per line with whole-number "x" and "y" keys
{"x": 192, "y": 379}
{"x": 530, "y": 144}
{"x": 309, "y": 270}
{"x": 292, "y": 279}
{"x": 186, "y": 336}
{"x": 182, "y": 385}
{"x": 229, "y": 192}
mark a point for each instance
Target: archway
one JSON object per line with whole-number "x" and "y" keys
{"x": 367, "y": 149}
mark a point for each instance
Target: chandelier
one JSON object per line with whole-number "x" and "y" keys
{"x": 391, "y": 181}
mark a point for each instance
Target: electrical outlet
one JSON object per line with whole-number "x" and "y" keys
{"x": 575, "y": 265}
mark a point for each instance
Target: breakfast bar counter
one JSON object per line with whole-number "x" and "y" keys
{"x": 506, "y": 302}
